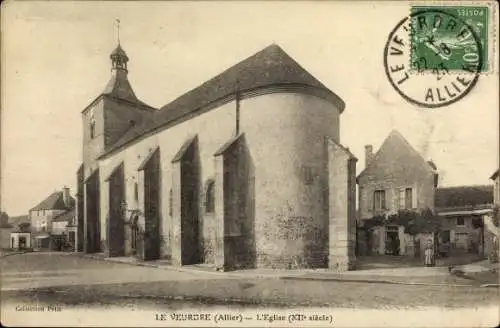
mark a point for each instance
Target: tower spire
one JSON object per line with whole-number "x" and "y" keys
{"x": 119, "y": 58}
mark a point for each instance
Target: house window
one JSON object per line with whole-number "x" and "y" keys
{"x": 460, "y": 221}
{"x": 136, "y": 192}
{"x": 170, "y": 202}
{"x": 401, "y": 198}
{"x": 379, "y": 200}
{"x": 408, "y": 198}
{"x": 210, "y": 197}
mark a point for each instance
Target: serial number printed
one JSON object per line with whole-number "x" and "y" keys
{"x": 470, "y": 12}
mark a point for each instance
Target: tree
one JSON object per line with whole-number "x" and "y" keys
{"x": 414, "y": 222}
{"x": 4, "y": 218}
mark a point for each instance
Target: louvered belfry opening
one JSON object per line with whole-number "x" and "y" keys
{"x": 152, "y": 208}
{"x": 92, "y": 218}
{"x": 116, "y": 218}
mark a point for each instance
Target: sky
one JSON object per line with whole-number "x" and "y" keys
{"x": 55, "y": 61}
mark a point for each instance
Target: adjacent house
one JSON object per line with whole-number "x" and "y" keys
{"x": 5, "y": 231}
{"x": 20, "y": 237}
{"x": 64, "y": 231}
{"x": 245, "y": 170}
{"x": 491, "y": 223}
{"x": 463, "y": 210}
{"x": 42, "y": 217}
{"x": 496, "y": 187}
{"x": 396, "y": 179}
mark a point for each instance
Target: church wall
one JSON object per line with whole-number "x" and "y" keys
{"x": 285, "y": 134}
{"x": 214, "y": 128}
{"x": 92, "y": 148}
{"x": 285, "y": 137}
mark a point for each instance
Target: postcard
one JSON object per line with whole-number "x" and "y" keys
{"x": 250, "y": 163}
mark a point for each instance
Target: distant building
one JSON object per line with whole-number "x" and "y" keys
{"x": 5, "y": 230}
{"x": 395, "y": 178}
{"x": 496, "y": 183}
{"x": 20, "y": 237}
{"x": 64, "y": 231}
{"x": 42, "y": 216}
{"x": 246, "y": 170}
{"x": 463, "y": 210}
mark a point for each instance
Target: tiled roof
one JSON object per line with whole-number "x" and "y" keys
{"x": 396, "y": 148}
{"x": 54, "y": 202}
{"x": 65, "y": 217}
{"x": 271, "y": 67}
{"x": 463, "y": 197}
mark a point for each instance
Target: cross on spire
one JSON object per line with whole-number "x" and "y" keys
{"x": 117, "y": 21}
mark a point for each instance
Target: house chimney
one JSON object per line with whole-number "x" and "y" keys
{"x": 368, "y": 155}
{"x": 66, "y": 196}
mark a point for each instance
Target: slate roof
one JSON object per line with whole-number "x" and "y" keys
{"x": 54, "y": 202}
{"x": 269, "y": 67}
{"x": 118, "y": 87}
{"x": 119, "y": 52}
{"x": 65, "y": 217}
{"x": 463, "y": 197}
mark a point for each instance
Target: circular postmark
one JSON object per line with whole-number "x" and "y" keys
{"x": 433, "y": 58}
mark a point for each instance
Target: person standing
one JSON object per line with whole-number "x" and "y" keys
{"x": 429, "y": 254}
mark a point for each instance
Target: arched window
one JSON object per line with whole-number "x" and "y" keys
{"x": 92, "y": 125}
{"x": 209, "y": 196}
{"x": 170, "y": 201}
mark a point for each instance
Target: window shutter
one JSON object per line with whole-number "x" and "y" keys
{"x": 387, "y": 199}
{"x": 414, "y": 197}
{"x": 369, "y": 197}
{"x": 401, "y": 198}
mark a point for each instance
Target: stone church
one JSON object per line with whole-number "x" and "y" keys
{"x": 244, "y": 171}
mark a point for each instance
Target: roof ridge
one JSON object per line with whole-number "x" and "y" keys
{"x": 269, "y": 67}
{"x": 395, "y": 134}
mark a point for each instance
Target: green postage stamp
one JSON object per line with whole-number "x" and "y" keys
{"x": 450, "y": 38}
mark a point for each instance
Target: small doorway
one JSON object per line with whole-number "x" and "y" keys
{"x": 392, "y": 242}
{"x": 22, "y": 242}
{"x": 72, "y": 239}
